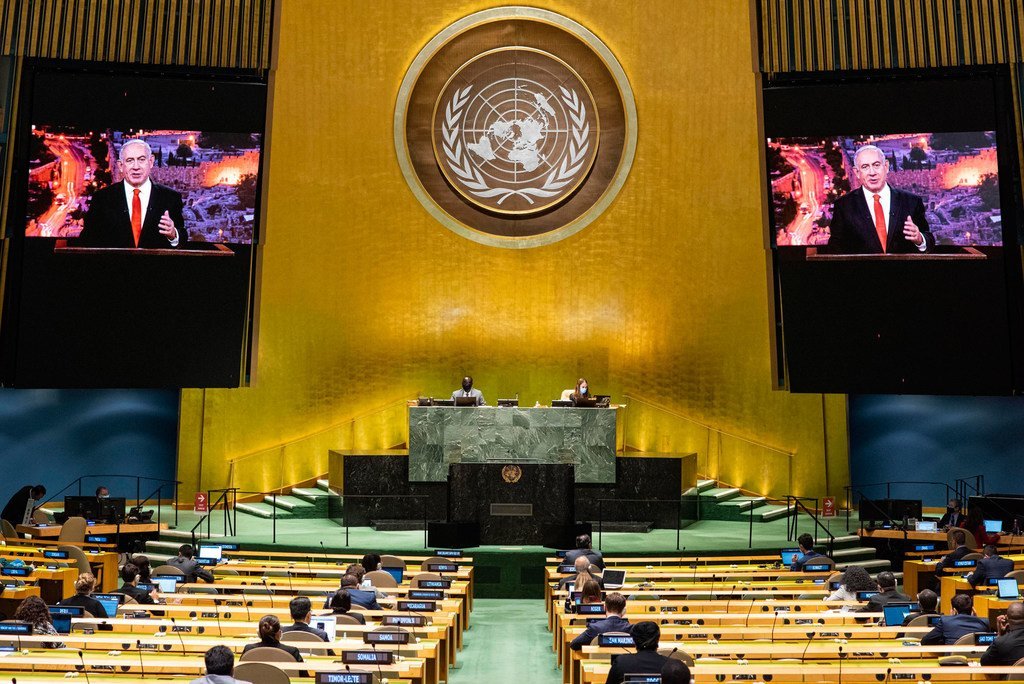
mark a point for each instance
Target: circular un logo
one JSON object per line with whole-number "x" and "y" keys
{"x": 515, "y": 130}
{"x": 511, "y": 473}
{"x": 520, "y": 143}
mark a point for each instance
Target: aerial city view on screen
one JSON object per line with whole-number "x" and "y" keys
{"x": 956, "y": 174}
{"x": 216, "y": 174}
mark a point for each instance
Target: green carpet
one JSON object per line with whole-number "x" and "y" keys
{"x": 508, "y": 642}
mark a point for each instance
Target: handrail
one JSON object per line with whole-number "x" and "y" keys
{"x": 798, "y": 503}
{"x": 678, "y": 503}
{"x": 138, "y": 493}
{"x": 850, "y": 489}
{"x": 711, "y": 428}
{"x": 329, "y": 428}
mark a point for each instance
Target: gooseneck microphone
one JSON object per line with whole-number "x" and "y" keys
{"x": 142, "y": 665}
{"x": 220, "y": 630}
{"x": 85, "y": 668}
{"x": 729, "y": 600}
{"x": 174, "y": 628}
{"x": 810, "y": 638}
{"x": 270, "y": 592}
{"x": 774, "y": 620}
{"x": 746, "y": 620}
{"x": 324, "y": 549}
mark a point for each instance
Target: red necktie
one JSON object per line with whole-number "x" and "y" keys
{"x": 137, "y": 215}
{"x": 880, "y": 222}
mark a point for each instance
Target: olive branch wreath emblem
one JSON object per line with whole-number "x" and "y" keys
{"x": 469, "y": 175}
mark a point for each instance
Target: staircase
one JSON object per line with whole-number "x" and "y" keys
{"x": 729, "y": 503}
{"x": 303, "y": 503}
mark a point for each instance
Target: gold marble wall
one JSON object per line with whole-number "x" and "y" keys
{"x": 365, "y": 300}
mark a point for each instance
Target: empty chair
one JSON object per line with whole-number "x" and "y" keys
{"x": 676, "y": 654}
{"x": 267, "y": 654}
{"x": 920, "y": 621}
{"x": 346, "y": 619}
{"x": 393, "y": 562}
{"x": 296, "y": 637}
{"x": 423, "y": 577}
{"x": 973, "y": 556}
{"x": 77, "y": 555}
{"x": 381, "y": 579}
{"x": 260, "y": 673}
{"x": 8, "y": 529}
{"x": 40, "y": 516}
{"x": 1017, "y": 676}
{"x": 201, "y": 589}
{"x": 73, "y": 530}
{"x": 1016, "y": 575}
{"x": 167, "y": 570}
{"x": 965, "y": 640}
{"x": 425, "y": 564}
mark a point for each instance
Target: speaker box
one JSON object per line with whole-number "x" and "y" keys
{"x": 453, "y": 535}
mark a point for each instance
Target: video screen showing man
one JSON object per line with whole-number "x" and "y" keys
{"x": 877, "y": 218}
{"x": 136, "y": 212}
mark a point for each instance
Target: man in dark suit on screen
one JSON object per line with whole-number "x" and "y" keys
{"x": 135, "y": 212}
{"x": 877, "y": 218}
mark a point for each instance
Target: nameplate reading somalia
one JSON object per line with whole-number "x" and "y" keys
{"x": 515, "y": 130}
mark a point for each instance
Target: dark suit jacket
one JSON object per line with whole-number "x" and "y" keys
{"x": 853, "y": 225}
{"x": 94, "y": 607}
{"x": 593, "y": 554}
{"x": 803, "y": 560}
{"x": 366, "y": 599}
{"x": 192, "y": 569}
{"x": 136, "y": 593}
{"x": 303, "y": 627}
{"x": 948, "y": 560}
{"x": 108, "y": 222}
{"x": 644, "y": 662}
{"x": 270, "y": 643}
{"x": 15, "y": 508}
{"x": 876, "y": 602}
{"x": 952, "y": 627}
{"x": 1006, "y": 650}
{"x": 947, "y": 519}
{"x": 612, "y": 623}
{"x": 989, "y": 568}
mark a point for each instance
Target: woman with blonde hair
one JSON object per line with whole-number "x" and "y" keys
{"x": 84, "y": 586}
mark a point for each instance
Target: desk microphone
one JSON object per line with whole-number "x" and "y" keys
{"x": 174, "y": 628}
{"x": 729, "y": 600}
{"x": 245, "y": 604}
{"x": 220, "y": 630}
{"x": 288, "y": 571}
{"x": 324, "y": 549}
{"x": 774, "y": 620}
{"x": 85, "y": 669}
{"x": 711, "y": 592}
{"x": 380, "y": 673}
{"x": 270, "y": 593}
{"x": 142, "y": 666}
{"x": 746, "y": 620}
{"x": 696, "y": 562}
{"x": 810, "y": 638}
{"x": 889, "y": 670}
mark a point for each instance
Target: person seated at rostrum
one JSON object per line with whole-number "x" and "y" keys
{"x": 949, "y": 628}
{"x": 886, "y": 594}
{"x": 584, "y": 547}
{"x": 992, "y": 566}
{"x": 84, "y": 586}
{"x": 129, "y": 579}
{"x": 855, "y": 579}
{"x": 341, "y": 604}
{"x": 220, "y": 667}
{"x": 952, "y": 517}
{"x": 807, "y": 553}
{"x": 1008, "y": 647}
{"x": 614, "y": 607}
{"x": 646, "y": 660}
{"x": 188, "y": 565}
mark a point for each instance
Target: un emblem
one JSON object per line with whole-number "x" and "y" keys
{"x": 521, "y": 143}
{"x": 511, "y": 474}
{"x": 515, "y": 131}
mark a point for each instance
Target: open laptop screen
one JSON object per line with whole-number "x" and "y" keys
{"x": 1008, "y": 588}
{"x": 993, "y": 526}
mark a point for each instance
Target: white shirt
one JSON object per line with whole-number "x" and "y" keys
{"x": 885, "y": 198}
{"x": 145, "y": 190}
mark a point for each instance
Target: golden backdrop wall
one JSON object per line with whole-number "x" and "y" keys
{"x": 365, "y": 300}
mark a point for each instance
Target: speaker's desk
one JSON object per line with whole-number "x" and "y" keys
{"x": 53, "y": 531}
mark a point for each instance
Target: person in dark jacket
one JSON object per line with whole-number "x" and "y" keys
{"x": 886, "y": 594}
{"x": 270, "y": 637}
{"x": 1008, "y": 647}
{"x": 188, "y": 565}
{"x": 340, "y": 603}
{"x": 302, "y": 610}
{"x": 130, "y": 578}
{"x": 963, "y": 621}
{"x": 584, "y": 547}
{"x": 807, "y": 553}
{"x": 358, "y": 597}
{"x": 84, "y": 586}
{"x": 992, "y": 566}
{"x": 614, "y": 607}
{"x": 646, "y": 660}
{"x": 14, "y": 511}
{"x": 961, "y": 550}
{"x": 928, "y": 603}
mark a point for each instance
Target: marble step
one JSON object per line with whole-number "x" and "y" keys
{"x": 769, "y": 512}
{"x": 720, "y": 494}
{"x": 291, "y": 504}
{"x": 746, "y": 503}
{"x": 325, "y": 486}
{"x": 310, "y": 494}
{"x": 261, "y": 510}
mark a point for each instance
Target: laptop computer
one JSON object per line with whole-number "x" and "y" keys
{"x": 1007, "y": 588}
{"x": 328, "y": 623}
{"x": 789, "y": 555}
{"x": 166, "y": 585}
{"x": 465, "y": 401}
{"x": 993, "y": 526}
{"x": 895, "y": 613}
{"x": 110, "y": 603}
{"x": 397, "y": 573}
{"x": 211, "y": 551}
{"x": 613, "y": 579}
{"x": 926, "y": 526}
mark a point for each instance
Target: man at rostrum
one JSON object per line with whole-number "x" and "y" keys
{"x": 468, "y": 391}
{"x": 135, "y": 212}
{"x": 614, "y": 607}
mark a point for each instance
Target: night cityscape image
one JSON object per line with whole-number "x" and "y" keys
{"x": 215, "y": 173}
{"x": 955, "y": 174}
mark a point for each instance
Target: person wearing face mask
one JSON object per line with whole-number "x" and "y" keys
{"x": 102, "y": 492}
{"x": 468, "y": 391}
{"x": 582, "y": 391}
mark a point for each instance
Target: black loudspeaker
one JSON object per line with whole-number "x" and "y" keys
{"x": 453, "y": 535}
{"x": 564, "y": 536}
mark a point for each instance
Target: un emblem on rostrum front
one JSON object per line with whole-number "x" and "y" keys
{"x": 515, "y": 130}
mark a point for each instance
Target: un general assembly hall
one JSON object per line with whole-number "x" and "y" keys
{"x": 566, "y": 342}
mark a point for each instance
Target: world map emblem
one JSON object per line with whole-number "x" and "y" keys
{"x": 516, "y": 130}
{"x": 515, "y": 127}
